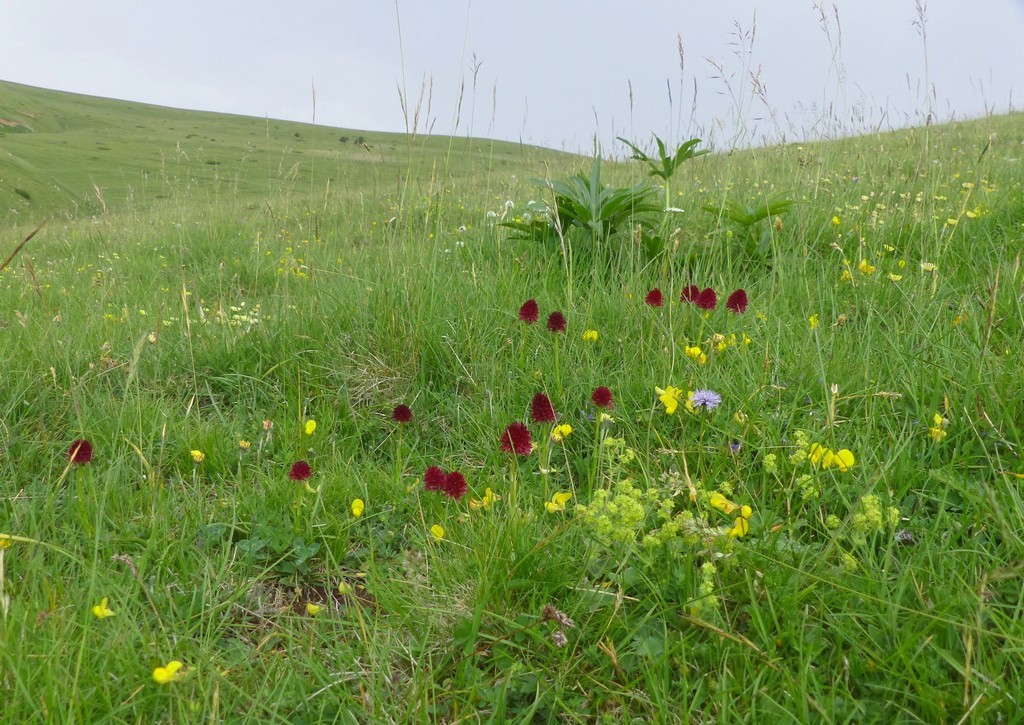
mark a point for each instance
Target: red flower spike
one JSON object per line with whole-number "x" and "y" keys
{"x": 529, "y": 311}
{"x": 737, "y": 302}
{"x": 707, "y": 299}
{"x": 300, "y": 471}
{"x": 654, "y": 298}
{"x": 455, "y": 485}
{"x": 517, "y": 440}
{"x": 602, "y": 397}
{"x": 402, "y": 414}
{"x": 690, "y": 294}
{"x": 541, "y": 410}
{"x": 556, "y": 322}
{"x": 80, "y": 452}
{"x": 434, "y": 479}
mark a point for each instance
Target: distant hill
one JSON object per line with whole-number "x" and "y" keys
{"x": 72, "y": 155}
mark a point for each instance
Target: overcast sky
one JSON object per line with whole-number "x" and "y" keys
{"x": 551, "y": 72}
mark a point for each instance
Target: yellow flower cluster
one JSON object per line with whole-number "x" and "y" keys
{"x": 489, "y": 498}
{"x": 696, "y": 354}
{"x": 866, "y": 268}
{"x": 938, "y": 430}
{"x": 827, "y": 458}
{"x": 670, "y": 397}
{"x": 723, "y": 343}
{"x": 741, "y": 525}
{"x": 561, "y": 432}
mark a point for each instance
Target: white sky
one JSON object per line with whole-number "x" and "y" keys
{"x": 551, "y": 72}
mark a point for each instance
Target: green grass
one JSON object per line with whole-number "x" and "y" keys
{"x": 253, "y": 293}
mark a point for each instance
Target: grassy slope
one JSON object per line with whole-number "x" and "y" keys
{"x": 83, "y": 152}
{"x": 391, "y": 299}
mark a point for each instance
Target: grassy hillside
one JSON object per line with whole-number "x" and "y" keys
{"x": 73, "y": 156}
{"x": 802, "y": 503}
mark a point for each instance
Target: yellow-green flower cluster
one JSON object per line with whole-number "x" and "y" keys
{"x": 706, "y": 599}
{"x": 682, "y": 524}
{"x": 620, "y": 453}
{"x": 800, "y": 445}
{"x": 618, "y": 515}
{"x": 809, "y": 488}
{"x": 870, "y": 517}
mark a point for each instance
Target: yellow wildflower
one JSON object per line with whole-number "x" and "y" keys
{"x": 895, "y": 277}
{"x": 101, "y": 610}
{"x": 938, "y": 431}
{"x": 721, "y": 503}
{"x": 836, "y": 221}
{"x": 313, "y": 609}
{"x": 169, "y": 673}
{"x": 358, "y": 507}
{"x": 489, "y": 498}
{"x": 437, "y": 531}
{"x": 697, "y": 354}
{"x": 310, "y": 427}
{"x": 812, "y": 321}
{"x": 843, "y": 460}
{"x": 740, "y": 527}
{"x": 557, "y": 502}
{"x": 560, "y": 433}
{"x": 669, "y": 397}
{"x": 197, "y": 456}
{"x": 590, "y": 336}
{"x": 244, "y": 444}
{"x": 865, "y": 268}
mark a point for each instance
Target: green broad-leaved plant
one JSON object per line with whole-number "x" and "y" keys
{"x": 583, "y": 215}
{"x": 746, "y": 220}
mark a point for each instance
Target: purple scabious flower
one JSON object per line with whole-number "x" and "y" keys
{"x": 707, "y": 399}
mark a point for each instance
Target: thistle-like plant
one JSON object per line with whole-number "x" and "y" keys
{"x": 663, "y": 167}
{"x": 666, "y": 164}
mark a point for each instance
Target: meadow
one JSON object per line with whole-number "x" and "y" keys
{"x": 301, "y": 430}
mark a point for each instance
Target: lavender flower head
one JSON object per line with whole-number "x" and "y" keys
{"x": 707, "y": 399}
